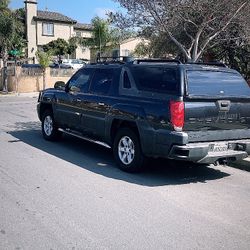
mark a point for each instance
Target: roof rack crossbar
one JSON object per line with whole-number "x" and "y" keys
{"x": 157, "y": 60}
{"x": 218, "y": 64}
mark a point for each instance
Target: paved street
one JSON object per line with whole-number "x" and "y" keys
{"x": 70, "y": 195}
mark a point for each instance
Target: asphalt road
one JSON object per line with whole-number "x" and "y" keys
{"x": 70, "y": 195}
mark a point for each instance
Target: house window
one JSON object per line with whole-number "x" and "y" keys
{"x": 48, "y": 29}
{"x": 126, "y": 52}
{"x": 78, "y": 33}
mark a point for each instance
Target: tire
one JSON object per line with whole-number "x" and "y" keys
{"x": 127, "y": 151}
{"x": 49, "y": 130}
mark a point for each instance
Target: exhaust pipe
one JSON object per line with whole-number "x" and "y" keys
{"x": 223, "y": 162}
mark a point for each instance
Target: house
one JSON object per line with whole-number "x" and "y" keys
{"x": 127, "y": 47}
{"x": 43, "y": 27}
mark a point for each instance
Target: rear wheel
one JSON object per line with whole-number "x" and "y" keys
{"x": 127, "y": 151}
{"x": 49, "y": 129}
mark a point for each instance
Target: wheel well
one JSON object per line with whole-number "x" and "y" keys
{"x": 45, "y": 107}
{"x": 117, "y": 124}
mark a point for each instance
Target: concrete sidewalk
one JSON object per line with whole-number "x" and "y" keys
{"x": 242, "y": 164}
{"x": 9, "y": 94}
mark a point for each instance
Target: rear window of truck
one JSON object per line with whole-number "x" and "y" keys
{"x": 216, "y": 83}
{"x": 156, "y": 79}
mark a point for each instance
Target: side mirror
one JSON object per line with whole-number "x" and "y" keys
{"x": 59, "y": 85}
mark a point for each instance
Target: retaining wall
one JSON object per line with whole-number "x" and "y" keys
{"x": 25, "y": 80}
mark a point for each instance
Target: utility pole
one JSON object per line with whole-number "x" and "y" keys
{"x": 100, "y": 42}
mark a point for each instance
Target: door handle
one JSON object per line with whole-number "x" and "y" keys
{"x": 101, "y": 104}
{"x": 77, "y": 100}
{"x": 224, "y": 104}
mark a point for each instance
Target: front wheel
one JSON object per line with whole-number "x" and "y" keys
{"x": 49, "y": 129}
{"x": 127, "y": 151}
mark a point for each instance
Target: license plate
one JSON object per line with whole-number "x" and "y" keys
{"x": 219, "y": 147}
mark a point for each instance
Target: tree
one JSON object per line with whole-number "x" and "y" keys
{"x": 44, "y": 59}
{"x": 11, "y": 35}
{"x": 192, "y": 25}
{"x": 142, "y": 50}
{"x": 72, "y": 45}
{"x": 57, "y": 47}
{"x": 61, "y": 47}
{"x": 159, "y": 45}
{"x": 4, "y": 5}
{"x": 101, "y": 35}
{"x": 6, "y": 35}
{"x": 105, "y": 37}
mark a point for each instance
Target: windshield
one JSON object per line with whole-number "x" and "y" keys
{"x": 216, "y": 83}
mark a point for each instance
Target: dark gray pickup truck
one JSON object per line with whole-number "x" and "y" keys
{"x": 153, "y": 108}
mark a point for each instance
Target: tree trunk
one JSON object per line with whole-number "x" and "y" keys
{"x": 44, "y": 79}
{"x": 5, "y": 76}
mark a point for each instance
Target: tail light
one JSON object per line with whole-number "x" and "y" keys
{"x": 177, "y": 115}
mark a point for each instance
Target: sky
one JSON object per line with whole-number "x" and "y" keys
{"x": 81, "y": 10}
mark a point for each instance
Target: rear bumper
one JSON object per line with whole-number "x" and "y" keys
{"x": 203, "y": 153}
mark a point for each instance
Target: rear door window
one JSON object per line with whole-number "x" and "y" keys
{"x": 156, "y": 78}
{"x": 216, "y": 83}
{"x": 102, "y": 81}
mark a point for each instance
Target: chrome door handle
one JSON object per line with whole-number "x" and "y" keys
{"x": 78, "y": 100}
{"x": 101, "y": 104}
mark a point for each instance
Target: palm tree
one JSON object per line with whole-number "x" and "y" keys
{"x": 4, "y": 5}
{"x": 102, "y": 35}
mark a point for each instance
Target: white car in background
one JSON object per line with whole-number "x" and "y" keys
{"x": 74, "y": 63}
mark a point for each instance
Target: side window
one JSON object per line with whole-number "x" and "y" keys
{"x": 126, "y": 81}
{"x": 156, "y": 78}
{"x": 102, "y": 81}
{"x": 80, "y": 81}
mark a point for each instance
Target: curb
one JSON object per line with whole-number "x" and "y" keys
{"x": 242, "y": 164}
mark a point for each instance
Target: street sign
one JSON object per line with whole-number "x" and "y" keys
{"x": 15, "y": 52}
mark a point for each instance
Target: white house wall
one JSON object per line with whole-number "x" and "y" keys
{"x": 31, "y": 11}
{"x": 129, "y": 45}
{"x": 64, "y": 31}
{"x": 82, "y": 53}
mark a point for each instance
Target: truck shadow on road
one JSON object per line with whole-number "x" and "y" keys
{"x": 100, "y": 160}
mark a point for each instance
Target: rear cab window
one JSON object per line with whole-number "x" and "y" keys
{"x": 157, "y": 78}
{"x": 213, "y": 83}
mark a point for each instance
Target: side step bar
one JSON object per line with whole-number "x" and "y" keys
{"x": 84, "y": 138}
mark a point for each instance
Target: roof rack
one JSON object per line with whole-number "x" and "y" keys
{"x": 157, "y": 60}
{"x": 218, "y": 64}
{"x": 113, "y": 60}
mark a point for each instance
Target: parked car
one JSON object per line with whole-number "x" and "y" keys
{"x": 31, "y": 65}
{"x": 61, "y": 66}
{"x": 52, "y": 65}
{"x": 153, "y": 108}
{"x": 74, "y": 63}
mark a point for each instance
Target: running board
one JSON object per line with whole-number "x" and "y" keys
{"x": 84, "y": 138}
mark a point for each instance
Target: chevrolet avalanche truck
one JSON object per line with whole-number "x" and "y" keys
{"x": 153, "y": 108}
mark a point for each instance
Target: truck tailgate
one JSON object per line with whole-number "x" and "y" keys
{"x": 208, "y": 120}
{"x": 217, "y": 106}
